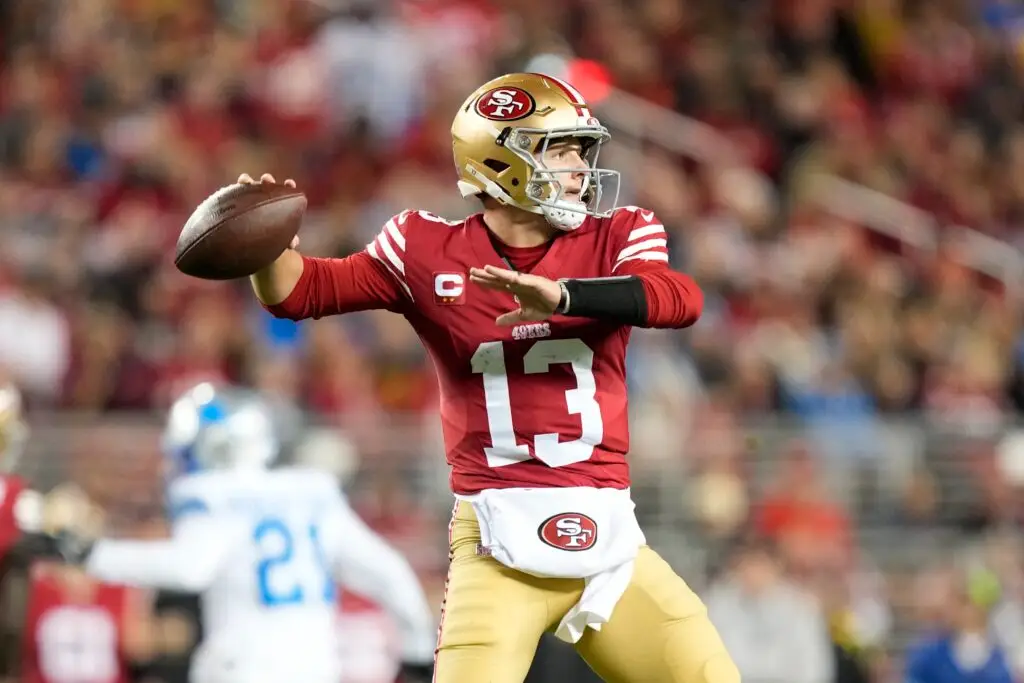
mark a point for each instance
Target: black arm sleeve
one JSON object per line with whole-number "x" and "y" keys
{"x": 616, "y": 299}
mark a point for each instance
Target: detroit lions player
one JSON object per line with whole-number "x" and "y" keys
{"x": 265, "y": 548}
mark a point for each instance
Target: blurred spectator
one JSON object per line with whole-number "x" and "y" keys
{"x": 965, "y": 649}
{"x": 801, "y": 515}
{"x": 859, "y": 621}
{"x": 1002, "y": 555}
{"x": 35, "y": 344}
{"x": 750, "y": 607}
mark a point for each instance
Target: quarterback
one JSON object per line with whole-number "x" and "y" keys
{"x": 526, "y": 309}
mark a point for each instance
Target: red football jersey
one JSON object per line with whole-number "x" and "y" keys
{"x": 11, "y": 487}
{"x": 73, "y": 638}
{"x": 536, "y": 404}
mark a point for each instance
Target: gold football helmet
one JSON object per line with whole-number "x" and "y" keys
{"x": 499, "y": 137}
{"x": 13, "y": 431}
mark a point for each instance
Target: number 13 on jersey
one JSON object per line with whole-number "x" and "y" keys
{"x": 489, "y": 360}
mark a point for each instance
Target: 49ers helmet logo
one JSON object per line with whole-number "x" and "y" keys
{"x": 568, "y": 531}
{"x": 505, "y": 104}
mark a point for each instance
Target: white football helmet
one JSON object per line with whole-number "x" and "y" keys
{"x": 219, "y": 428}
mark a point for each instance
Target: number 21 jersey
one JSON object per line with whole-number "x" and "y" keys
{"x": 539, "y": 404}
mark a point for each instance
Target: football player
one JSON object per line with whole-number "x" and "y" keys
{"x": 526, "y": 309}
{"x": 21, "y": 520}
{"x": 20, "y": 506}
{"x": 74, "y": 627}
{"x": 264, "y": 548}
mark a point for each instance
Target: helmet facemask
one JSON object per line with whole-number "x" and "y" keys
{"x": 600, "y": 189}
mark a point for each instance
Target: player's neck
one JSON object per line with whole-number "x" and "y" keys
{"x": 525, "y": 230}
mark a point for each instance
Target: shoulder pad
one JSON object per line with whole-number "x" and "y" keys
{"x": 426, "y": 217}
{"x": 308, "y": 482}
{"x": 639, "y": 236}
{"x": 311, "y": 478}
{"x": 391, "y": 246}
{"x": 188, "y": 496}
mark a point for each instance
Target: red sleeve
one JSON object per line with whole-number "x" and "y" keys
{"x": 329, "y": 286}
{"x": 674, "y": 300}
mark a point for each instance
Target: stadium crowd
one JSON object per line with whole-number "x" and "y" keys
{"x": 895, "y": 371}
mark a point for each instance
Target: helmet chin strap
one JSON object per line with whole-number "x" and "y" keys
{"x": 565, "y": 214}
{"x": 566, "y": 218}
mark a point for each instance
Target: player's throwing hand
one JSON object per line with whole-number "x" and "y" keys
{"x": 538, "y": 297}
{"x": 246, "y": 179}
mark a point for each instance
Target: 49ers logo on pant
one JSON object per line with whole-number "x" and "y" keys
{"x": 568, "y": 531}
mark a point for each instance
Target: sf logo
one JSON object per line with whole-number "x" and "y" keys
{"x": 505, "y": 104}
{"x": 568, "y": 531}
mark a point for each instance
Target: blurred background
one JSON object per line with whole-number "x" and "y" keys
{"x": 844, "y": 178}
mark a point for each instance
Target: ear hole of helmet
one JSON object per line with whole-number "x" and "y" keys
{"x": 495, "y": 165}
{"x": 500, "y": 167}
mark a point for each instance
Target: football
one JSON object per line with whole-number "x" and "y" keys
{"x": 238, "y": 230}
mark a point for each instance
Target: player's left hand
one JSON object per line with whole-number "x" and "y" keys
{"x": 537, "y": 296}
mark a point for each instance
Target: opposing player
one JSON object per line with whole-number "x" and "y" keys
{"x": 526, "y": 310}
{"x": 264, "y": 548}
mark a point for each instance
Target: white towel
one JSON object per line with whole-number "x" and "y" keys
{"x": 595, "y": 606}
{"x": 582, "y": 533}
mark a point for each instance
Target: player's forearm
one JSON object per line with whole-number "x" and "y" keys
{"x": 393, "y": 585}
{"x": 673, "y": 299}
{"x": 276, "y": 282}
{"x": 329, "y": 286}
{"x": 170, "y": 564}
{"x": 368, "y": 565}
{"x": 650, "y": 298}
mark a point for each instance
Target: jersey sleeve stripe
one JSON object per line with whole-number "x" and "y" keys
{"x": 373, "y": 251}
{"x": 392, "y": 255}
{"x": 641, "y": 246}
{"x": 643, "y": 256}
{"x": 645, "y": 231}
{"x": 396, "y": 236}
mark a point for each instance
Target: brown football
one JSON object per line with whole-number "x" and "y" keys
{"x": 238, "y": 230}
